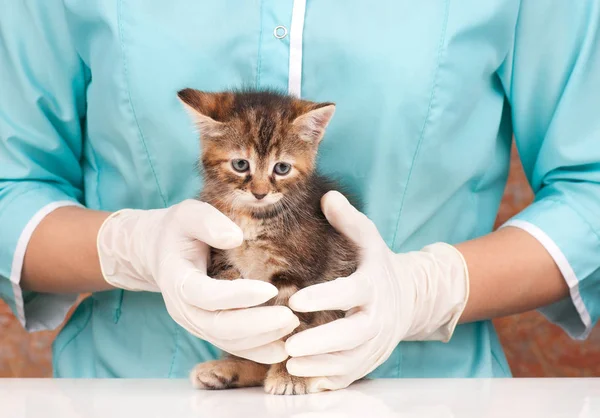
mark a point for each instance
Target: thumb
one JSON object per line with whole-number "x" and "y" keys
{"x": 207, "y": 224}
{"x": 347, "y": 220}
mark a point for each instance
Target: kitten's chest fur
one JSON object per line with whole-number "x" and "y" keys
{"x": 292, "y": 248}
{"x": 261, "y": 256}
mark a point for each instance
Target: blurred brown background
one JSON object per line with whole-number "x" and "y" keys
{"x": 534, "y": 347}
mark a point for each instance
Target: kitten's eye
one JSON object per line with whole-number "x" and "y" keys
{"x": 241, "y": 166}
{"x": 282, "y": 169}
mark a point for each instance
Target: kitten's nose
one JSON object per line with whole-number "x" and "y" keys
{"x": 259, "y": 196}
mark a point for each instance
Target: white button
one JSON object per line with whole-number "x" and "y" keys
{"x": 280, "y": 32}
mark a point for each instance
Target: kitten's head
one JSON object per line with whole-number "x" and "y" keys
{"x": 257, "y": 147}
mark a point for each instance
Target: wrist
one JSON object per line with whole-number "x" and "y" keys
{"x": 510, "y": 272}
{"x": 61, "y": 255}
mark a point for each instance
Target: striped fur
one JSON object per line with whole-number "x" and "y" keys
{"x": 287, "y": 241}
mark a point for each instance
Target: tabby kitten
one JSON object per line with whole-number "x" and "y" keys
{"x": 258, "y": 161}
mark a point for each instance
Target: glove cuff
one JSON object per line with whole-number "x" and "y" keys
{"x": 445, "y": 294}
{"x": 114, "y": 255}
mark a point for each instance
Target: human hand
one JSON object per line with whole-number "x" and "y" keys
{"x": 167, "y": 251}
{"x": 391, "y": 297}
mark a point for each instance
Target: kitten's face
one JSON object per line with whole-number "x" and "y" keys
{"x": 257, "y": 148}
{"x": 253, "y": 178}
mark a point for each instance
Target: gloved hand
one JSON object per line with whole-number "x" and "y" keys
{"x": 167, "y": 251}
{"x": 391, "y": 297}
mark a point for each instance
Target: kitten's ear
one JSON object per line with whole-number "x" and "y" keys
{"x": 203, "y": 108}
{"x": 312, "y": 124}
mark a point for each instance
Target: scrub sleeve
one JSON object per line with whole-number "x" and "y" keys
{"x": 552, "y": 81}
{"x": 42, "y": 108}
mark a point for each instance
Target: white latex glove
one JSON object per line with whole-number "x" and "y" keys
{"x": 167, "y": 251}
{"x": 391, "y": 297}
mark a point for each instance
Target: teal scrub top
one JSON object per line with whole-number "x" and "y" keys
{"x": 428, "y": 94}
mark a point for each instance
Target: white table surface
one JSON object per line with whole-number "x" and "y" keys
{"x": 464, "y": 398}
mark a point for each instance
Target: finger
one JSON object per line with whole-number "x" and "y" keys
{"x": 331, "y": 364}
{"x": 347, "y": 220}
{"x": 272, "y": 353}
{"x": 258, "y": 340}
{"x": 334, "y": 364}
{"x": 343, "y": 294}
{"x": 243, "y": 323}
{"x": 207, "y": 224}
{"x": 199, "y": 290}
{"x": 340, "y": 335}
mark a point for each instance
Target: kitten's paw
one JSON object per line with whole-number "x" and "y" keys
{"x": 214, "y": 376}
{"x": 284, "y": 384}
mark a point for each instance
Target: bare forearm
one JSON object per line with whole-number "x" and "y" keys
{"x": 510, "y": 272}
{"x": 61, "y": 256}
